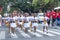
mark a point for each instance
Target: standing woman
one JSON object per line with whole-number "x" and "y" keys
{"x": 13, "y": 23}
{"x": 45, "y": 26}
{"x": 35, "y": 22}
{"x": 26, "y": 22}
{"x": 20, "y": 23}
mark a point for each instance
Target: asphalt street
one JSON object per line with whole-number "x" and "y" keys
{"x": 53, "y": 34}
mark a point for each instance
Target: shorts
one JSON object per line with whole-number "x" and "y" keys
{"x": 26, "y": 25}
{"x": 34, "y": 24}
{"x": 44, "y": 25}
{"x": 20, "y": 23}
{"x": 13, "y": 25}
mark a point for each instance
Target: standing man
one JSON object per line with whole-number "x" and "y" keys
{"x": 58, "y": 18}
{"x": 48, "y": 14}
{"x": 53, "y": 14}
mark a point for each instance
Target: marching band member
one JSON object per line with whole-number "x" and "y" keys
{"x": 13, "y": 25}
{"x": 26, "y": 22}
{"x": 45, "y": 25}
{"x": 30, "y": 21}
{"x": 20, "y": 22}
{"x": 35, "y": 22}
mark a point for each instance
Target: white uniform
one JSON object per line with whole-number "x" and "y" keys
{"x": 35, "y": 23}
{"x": 26, "y": 24}
{"x": 19, "y": 21}
{"x": 44, "y": 24}
{"x": 46, "y": 18}
{"x": 12, "y": 23}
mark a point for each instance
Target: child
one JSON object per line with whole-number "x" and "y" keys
{"x": 45, "y": 26}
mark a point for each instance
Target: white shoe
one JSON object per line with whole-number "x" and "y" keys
{"x": 15, "y": 35}
{"x": 18, "y": 29}
{"x": 12, "y": 34}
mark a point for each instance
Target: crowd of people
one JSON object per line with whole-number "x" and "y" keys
{"x": 26, "y": 21}
{"x": 55, "y": 15}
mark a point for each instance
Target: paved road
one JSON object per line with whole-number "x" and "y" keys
{"x": 54, "y": 34}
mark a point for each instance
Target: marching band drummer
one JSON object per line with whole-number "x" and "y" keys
{"x": 34, "y": 22}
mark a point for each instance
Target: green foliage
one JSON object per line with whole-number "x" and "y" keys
{"x": 33, "y": 6}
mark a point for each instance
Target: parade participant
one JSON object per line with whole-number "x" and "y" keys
{"x": 40, "y": 16}
{"x": 47, "y": 19}
{"x": 45, "y": 26}
{"x": 7, "y": 22}
{"x": 34, "y": 21}
{"x": 20, "y": 21}
{"x": 30, "y": 21}
{"x": 26, "y": 22}
{"x": 13, "y": 23}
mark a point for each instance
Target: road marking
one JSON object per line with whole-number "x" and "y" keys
{"x": 36, "y": 34}
{"x": 54, "y": 32}
{"x": 49, "y": 34}
{"x": 25, "y": 35}
{"x": 2, "y": 35}
{"x": 13, "y": 35}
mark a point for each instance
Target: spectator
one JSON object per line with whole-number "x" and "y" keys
{"x": 53, "y": 14}
{"x": 58, "y": 18}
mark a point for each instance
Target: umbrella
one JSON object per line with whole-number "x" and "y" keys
{"x": 56, "y": 8}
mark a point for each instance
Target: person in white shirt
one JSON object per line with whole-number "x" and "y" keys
{"x": 26, "y": 22}
{"x": 47, "y": 19}
{"x": 13, "y": 23}
{"x": 35, "y": 22}
{"x": 45, "y": 26}
{"x": 20, "y": 21}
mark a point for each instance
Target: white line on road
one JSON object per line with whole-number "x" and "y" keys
{"x": 36, "y": 34}
{"x": 54, "y": 32}
{"x": 49, "y": 34}
{"x": 2, "y": 35}
{"x": 25, "y": 35}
